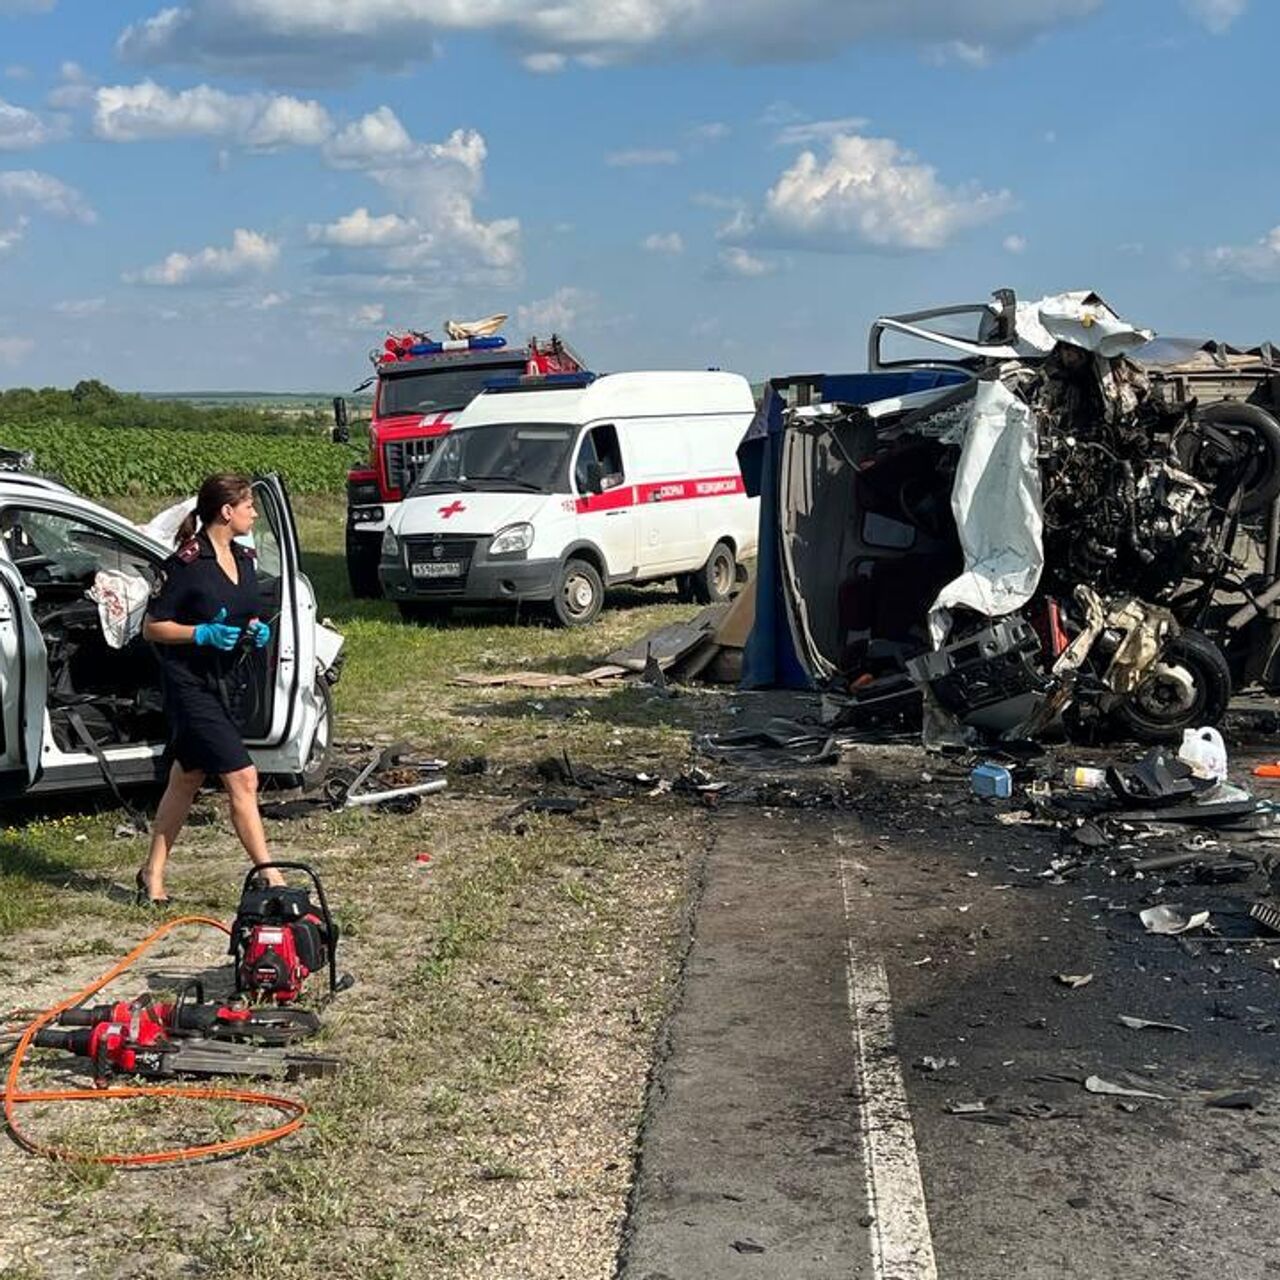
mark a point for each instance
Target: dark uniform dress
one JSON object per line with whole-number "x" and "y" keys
{"x": 203, "y": 685}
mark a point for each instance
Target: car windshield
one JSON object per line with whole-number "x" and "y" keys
{"x": 530, "y": 456}
{"x": 440, "y": 388}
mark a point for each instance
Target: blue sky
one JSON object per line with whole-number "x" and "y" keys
{"x": 246, "y": 194}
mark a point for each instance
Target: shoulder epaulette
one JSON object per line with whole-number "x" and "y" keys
{"x": 189, "y": 551}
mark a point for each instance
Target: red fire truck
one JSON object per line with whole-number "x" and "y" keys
{"x": 420, "y": 386}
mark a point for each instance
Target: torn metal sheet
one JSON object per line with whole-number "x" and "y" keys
{"x": 1096, "y": 1084}
{"x": 1172, "y": 920}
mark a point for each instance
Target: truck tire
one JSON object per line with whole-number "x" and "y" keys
{"x": 1249, "y": 428}
{"x": 1190, "y": 686}
{"x": 424, "y": 612}
{"x": 579, "y": 595}
{"x": 362, "y": 569}
{"x": 714, "y": 581}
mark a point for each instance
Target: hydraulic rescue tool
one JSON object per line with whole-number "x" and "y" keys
{"x": 280, "y": 937}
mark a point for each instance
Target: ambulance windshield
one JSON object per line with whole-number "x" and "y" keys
{"x": 520, "y": 456}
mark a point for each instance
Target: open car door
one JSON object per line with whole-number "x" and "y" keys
{"x": 281, "y": 720}
{"x": 23, "y": 685}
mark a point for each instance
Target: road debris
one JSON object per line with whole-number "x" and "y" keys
{"x": 1147, "y": 1024}
{"x": 1095, "y": 1084}
{"x": 1074, "y": 980}
{"x": 1171, "y": 920}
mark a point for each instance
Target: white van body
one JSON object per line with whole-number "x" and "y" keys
{"x": 634, "y": 475}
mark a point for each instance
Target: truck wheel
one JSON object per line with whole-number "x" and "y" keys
{"x": 317, "y": 762}
{"x": 424, "y": 612}
{"x": 362, "y": 570}
{"x": 579, "y": 595}
{"x": 714, "y": 581}
{"x": 1189, "y": 686}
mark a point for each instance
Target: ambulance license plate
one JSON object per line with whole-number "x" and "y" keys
{"x": 438, "y": 569}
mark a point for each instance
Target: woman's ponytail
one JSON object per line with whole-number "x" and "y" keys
{"x": 187, "y": 529}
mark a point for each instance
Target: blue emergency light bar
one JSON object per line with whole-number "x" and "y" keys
{"x": 539, "y": 381}
{"x": 493, "y": 343}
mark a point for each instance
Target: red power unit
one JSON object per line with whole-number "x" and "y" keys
{"x": 281, "y": 936}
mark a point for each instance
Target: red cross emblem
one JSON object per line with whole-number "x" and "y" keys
{"x": 452, "y": 509}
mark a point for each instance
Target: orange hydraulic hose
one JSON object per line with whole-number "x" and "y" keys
{"x": 14, "y": 1097}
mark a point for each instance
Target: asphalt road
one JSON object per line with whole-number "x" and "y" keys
{"x": 860, "y": 982}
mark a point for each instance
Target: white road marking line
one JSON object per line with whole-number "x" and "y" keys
{"x": 901, "y": 1244}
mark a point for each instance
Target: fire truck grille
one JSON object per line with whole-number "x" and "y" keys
{"x": 403, "y": 460}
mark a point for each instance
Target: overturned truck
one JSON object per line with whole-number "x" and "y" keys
{"x": 1023, "y": 516}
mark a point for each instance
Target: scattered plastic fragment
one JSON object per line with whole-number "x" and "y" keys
{"x": 966, "y": 1108}
{"x": 1095, "y": 1084}
{"x": 1074, "y": 980}
{"x": 747, "y": 1246}
{"x": 1146, "y": 1024}
{"x": 992, "y": 781}
{"x": 931, "y": 1063}
{"x": 1235, "y": 1100}
{"x": 1171, "y": 920}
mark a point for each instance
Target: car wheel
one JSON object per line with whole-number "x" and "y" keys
{"x": 714, "y": 581}
{"x": 317, "y": 763}
{"x": 579, "y": 595}
{"x": 1188, "y": 687}
{"x": 424, "y": 613}
{"x": 1241, "y": 438}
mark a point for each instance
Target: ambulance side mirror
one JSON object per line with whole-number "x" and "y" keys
{"x": 341, "y": 431}
{"x": 595, "y": 477}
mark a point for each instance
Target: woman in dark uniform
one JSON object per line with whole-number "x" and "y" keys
{"x": 206, "y": 602}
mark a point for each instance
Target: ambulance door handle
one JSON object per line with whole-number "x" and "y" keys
{"x": 617, "y": 511}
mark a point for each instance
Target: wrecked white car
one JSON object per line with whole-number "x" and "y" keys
{"x": 82, "y": 707}
{"x": 1014, "y": 520}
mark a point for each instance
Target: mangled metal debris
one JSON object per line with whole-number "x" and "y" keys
{"x": 1037, "y": 527}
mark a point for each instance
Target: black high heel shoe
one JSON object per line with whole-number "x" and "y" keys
{"x": 144, "y": 893}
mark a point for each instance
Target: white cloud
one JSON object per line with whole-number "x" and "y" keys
{"x": 659, "y": 242}
{"x": 560, "y": 311}
{"x": 1216, "y": 15}
{"x": 369, "y": 314}
{"x": 79, "y": 308}
{"x": 147, "y": 112}
{"x": 1015, "y": 244}
{"x": 376, "y": 138}
{"x": 12, "y": 236}
{"x": 736, "y": 261}
{"x": 45, "y": 192}
{"x": 270, "y": 301}
{"x": 21, "y": 129}
{"x": 961, "y": 51}
{"x": 332, "y": 39}
{"x": 74, "y": 89}
{"x": 712, "y": 131}
{"x": 640, "y": 157}
{"x": 359, "y": 230}
{"x": 544, "y": 64}
{"x": 250, "y": 253}
{"x": 1256, "y": 263}
{"x": 805, "y": 133}
{"x": 868, "y": 194}
{"x": 13, "y": 351}
{"x": 17, "y": 71}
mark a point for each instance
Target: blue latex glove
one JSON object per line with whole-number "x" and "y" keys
{"x": 261, "y": 633}
{"x": 216, "y": 634}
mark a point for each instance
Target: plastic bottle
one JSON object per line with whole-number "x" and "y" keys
{"x": 1204, "y": 750}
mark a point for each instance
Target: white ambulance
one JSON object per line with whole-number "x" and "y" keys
{"x": 553, "y": 489}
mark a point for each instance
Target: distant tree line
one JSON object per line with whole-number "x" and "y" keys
{"x": 92, "y": 403}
